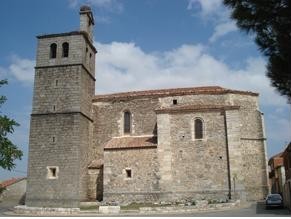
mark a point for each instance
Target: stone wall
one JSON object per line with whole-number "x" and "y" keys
{"x": 52, "y": 98}
{"x": 199, "y": 99}
{"x": 61, "y": 128}
{"x": 187, "y": 167}
{"x": 247, "y": 150}
{"x": 108, "y": 120}
{"x": 79, "y": 51}
{"x": 143, "y": 181}
{"x": 63, "y": 153}
{"x": 190, "y": 167}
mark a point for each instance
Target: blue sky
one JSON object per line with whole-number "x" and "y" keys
{"x": 141, "y": 45}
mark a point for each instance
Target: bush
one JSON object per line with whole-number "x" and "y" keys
{"x": 2, "y": 189}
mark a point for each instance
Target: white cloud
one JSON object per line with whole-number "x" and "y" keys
{"x": 125, "y": 67}
{"x": 222, "y": 29}
{"x": 22, "y": 69}
{"x": 278, "y": 125}
{"x": 207, "y": 6}
{"x": 215, "y": 12}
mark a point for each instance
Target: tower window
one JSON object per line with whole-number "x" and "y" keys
{"x": 128, "y": 173}
{"x": 53, "y": 51}
{"x": 127, "y": 122}
{"x": 175, "y": 102}
{"x": 52, "y": 172}
{"x": 65, "y": 49}
{"x": 198, "y": 125}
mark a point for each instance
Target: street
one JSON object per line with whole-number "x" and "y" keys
{"x": 6, "y": 206}
{"x": 255, "y": 210}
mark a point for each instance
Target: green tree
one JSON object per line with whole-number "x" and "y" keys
{"x": 270, "y": 21}
{"x": 8, "y": 151}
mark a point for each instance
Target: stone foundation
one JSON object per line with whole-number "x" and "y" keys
{"x": 171, "y": 197}
{"x": 23, "y": 209}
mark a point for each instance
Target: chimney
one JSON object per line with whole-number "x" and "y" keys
{"x": 86, "y": 21}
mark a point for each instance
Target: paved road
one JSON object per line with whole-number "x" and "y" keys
{"x": 6, "y": 206}
{"x": 254, "y": 210}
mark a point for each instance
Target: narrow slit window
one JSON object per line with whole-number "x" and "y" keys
{"x": 65, "y": 49}
{"x": 127, "y": 122}
{"x": 175, "y": 102}
{"x": 57, "y": 83}
{"x": 198, "y": 129}
{"x": 53, "y": 51}
{"x": 128, "y": 173}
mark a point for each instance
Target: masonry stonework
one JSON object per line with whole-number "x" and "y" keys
{"x": 79, "y": 149}
{"x": 61, "y": 122}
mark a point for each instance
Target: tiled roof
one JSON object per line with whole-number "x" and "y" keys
{"x": 131, "y": 142}
{"x": 10, "y": 182}
{"x": 276, "y": 155}
{"x": 170, "y": 92}
{"x": 195, "y": 108}
{"x": 277, "y": 160}
{"x": 96, "y": 164}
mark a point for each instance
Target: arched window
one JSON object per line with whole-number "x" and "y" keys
{"x": 198, "y": 125}
{"x": 127, "y": 122}
{"x": 53, "y": 51}
{"x": 65, "y": 49}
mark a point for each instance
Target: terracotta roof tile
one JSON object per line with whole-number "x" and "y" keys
{"x": 276, "y": 155}
{"x": 169, "y": 92}
{"x": 10, "y": 182}
{"x": 131, "y": 142}
{"x": 195, "y": 108}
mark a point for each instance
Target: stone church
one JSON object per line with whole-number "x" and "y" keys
{"x": 139, "y": 146}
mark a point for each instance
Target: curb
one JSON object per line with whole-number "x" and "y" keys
{"x": 137, "y": 212}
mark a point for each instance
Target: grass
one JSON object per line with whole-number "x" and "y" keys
{"x": 90, "y": 207}
{"x": 136, "y": 206}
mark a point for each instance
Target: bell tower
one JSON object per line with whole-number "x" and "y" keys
{"x": 60, "y": 140}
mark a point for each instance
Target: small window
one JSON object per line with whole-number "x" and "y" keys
{"x": 53, "y": 139}
{"x": 56, "y": 83}
{"x": 53, "y": 51}
{"x": 127, "y": 122}
{"x": 52, "y": 172}
{"x": 128, "y": 173}
{"x": 65, "y": 49}
{"x": 198, "y": 129}
{"x": 175, "y": 102}
{"x": 90, "y": 55}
